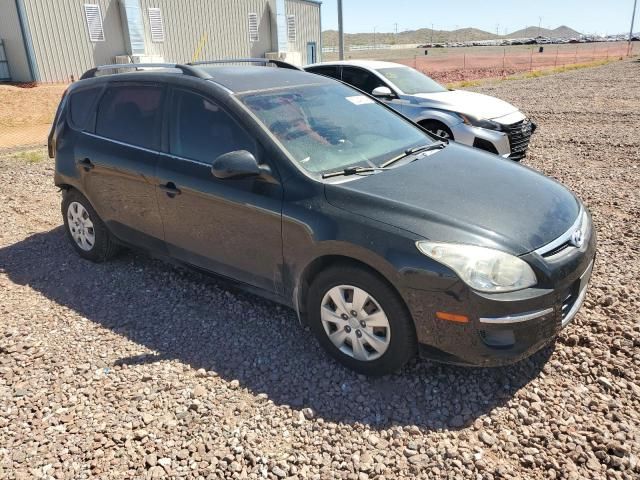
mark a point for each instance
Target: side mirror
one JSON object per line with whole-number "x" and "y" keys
{"x": 382, "y": 92}
{"x": 238, "y": 164}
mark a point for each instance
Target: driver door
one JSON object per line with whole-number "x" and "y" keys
{"x": 232, "y": 227}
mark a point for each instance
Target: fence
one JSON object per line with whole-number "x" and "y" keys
{"x": 469, "y": 63}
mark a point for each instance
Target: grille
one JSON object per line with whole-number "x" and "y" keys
{"x": 519, "y": 136}
{"x": 569, "y": 299}
{"x": 558, "y": 249}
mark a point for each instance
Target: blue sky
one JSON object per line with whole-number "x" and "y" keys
{"x": 586, "y": 16}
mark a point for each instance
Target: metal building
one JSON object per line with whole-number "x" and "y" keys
{"x": 55, "y": 40}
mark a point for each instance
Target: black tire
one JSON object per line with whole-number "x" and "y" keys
{"x": 434, "y": 126}
{"x": 104, "y": 246}
{"x": 403, "y": 343}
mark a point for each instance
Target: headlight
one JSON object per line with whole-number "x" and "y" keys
{"x": 480, "y": 122}
{"x": 483, "y": 269}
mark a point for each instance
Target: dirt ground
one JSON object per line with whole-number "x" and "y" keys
{"x": 135, "y": 369}
{"x": 26, "y": 114}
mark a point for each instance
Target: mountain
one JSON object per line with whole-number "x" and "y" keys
{"x": 532, "y": 32}
{"x": 423, "y": 35}
{"x": 426, "y": 35}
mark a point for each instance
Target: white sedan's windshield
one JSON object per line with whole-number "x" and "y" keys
{"x": 330, "y": 127}
{"x": 411, "y": 81}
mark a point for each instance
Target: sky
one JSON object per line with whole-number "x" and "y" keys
{"x": 586, "y": 16}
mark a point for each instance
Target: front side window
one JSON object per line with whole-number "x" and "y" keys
{"x": 330, "y": 127}
{"x": 361, "y": 79}
{"x": 131, "y": 114}
{"x": 411, "y": 81}
{"x": 200, "y": 130}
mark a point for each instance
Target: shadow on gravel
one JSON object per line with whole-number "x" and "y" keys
{"x": 206, "y": 323}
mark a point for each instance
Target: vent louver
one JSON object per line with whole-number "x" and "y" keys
{"x": 253, "y": 27}
{"x": 94, "y": 22}
{"x": 156, "y": 24}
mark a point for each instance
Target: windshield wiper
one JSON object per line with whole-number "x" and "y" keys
{"x": 352, "y": 171}
{"x": 413, "y": 151}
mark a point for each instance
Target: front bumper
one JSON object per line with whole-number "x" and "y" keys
{"x": 502, "y": 328}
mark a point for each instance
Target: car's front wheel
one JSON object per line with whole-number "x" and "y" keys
{"x": 437, "y": 128}
{"x": 85, "y": 230}
{"x": 360, "y": 320}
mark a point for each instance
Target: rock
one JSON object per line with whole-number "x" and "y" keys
{"x": 308, "y": 413}
{"x": 234, "y": 384}
{"x": 151, "y": 460}
{"x": 278, "y": 472}
{"x": 199, "y": 391}
{"x": 156, "y": 472}
{"x": 487, "y": 438}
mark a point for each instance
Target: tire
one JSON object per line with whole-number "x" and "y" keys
{"x": 85, "y": 230}
{"x": 439, "y": 129}
{"x": 378, "y": 350}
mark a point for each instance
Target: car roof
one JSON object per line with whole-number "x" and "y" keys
{"x": 246, "y": 79}
{"x": 370, "y": 64}
{"x": 236, "y": 79}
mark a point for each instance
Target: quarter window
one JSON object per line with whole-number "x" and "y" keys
{"x": 81, "y": 107}
{"x": 202, "y": 131}
{"x": 131, "y": 114}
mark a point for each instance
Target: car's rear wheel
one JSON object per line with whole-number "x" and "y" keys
{"x": 86, "y": 231}
{"x": 437, "y": 128}
{"x": 360, "y": 320}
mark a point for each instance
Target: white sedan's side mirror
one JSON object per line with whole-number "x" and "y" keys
{"x": 382, "y": 92}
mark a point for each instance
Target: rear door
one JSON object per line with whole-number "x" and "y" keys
{"x": 233, "y": 226}
{"x": 120, "y": 164}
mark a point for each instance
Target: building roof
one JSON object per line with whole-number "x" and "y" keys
{"x": 370, "y": 64}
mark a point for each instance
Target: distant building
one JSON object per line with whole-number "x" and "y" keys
{"x": 55, "y": 40}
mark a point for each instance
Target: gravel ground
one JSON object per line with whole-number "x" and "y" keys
{"x": 135, "y": 369}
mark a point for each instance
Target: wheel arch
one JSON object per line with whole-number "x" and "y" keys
{"x": 320, "y": 264}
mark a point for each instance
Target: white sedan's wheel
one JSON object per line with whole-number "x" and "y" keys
{"x": 355, "y": 323}
{"x": 80, "y": 226}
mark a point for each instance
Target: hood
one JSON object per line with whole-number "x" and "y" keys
{"x": 470, "y": 103}
{"x": 463, "y": 195}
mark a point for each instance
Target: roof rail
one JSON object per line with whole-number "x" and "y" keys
{"x": 185, "y": 69}
{"x": 264, "y": 61}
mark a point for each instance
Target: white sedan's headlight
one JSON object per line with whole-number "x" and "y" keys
{"x": 483, "y": 269}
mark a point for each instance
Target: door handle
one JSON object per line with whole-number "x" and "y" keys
{"x": 170, "y": 189}
{"x": 86, "y": 164}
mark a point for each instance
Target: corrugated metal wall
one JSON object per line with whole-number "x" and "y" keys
{"x": 307, "y": 27}
{"x": 60, "y": 39}
{"x": 210, "y": 28}
{"x": 13, "y": 42}
{"x": 221, "y": 27}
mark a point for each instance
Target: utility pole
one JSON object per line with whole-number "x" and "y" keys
{"x": 633, "y": 16}
{"x": 432, "y": 34}
{"x": 340, "y": 32}
{"x": 374, "y": 37}
{"x": 539, "y": 26}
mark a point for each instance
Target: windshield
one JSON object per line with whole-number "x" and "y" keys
{"x": 331, "y": 127}
{"x": 411, "y": 81}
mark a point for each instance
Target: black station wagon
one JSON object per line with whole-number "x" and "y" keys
{"x": 382, "y": 237}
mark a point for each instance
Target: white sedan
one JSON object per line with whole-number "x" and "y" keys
{"x": 470, "y": 118}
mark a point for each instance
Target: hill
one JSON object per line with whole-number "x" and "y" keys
{"x": 426, "y": 35}
{"x": 423, "y": 35}
{"x": 532, "y": 32}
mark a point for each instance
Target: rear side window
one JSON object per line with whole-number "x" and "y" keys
{"x": 326, "y": 71}
{"x": 131, "y": 114}
{"x": 200, "y": 130}
{"x": 81, "y": 107}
